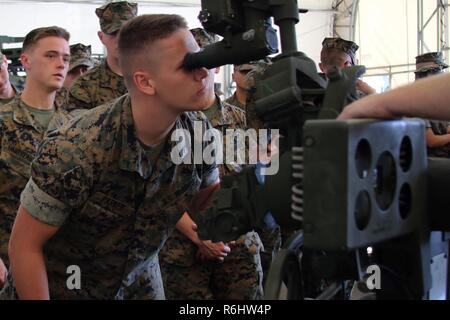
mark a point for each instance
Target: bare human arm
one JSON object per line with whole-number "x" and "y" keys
{"x": 26, "y": 244}
{"x": 207, "y": 248}
{"x": 364, "y": 87}
{"x": 435, "y": 141}
{"x": 427, "y": 98}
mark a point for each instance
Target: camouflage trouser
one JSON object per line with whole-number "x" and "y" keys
{"x": 271, "y": 240}
{"x": 144, "y": 283}
{"x": 239, "y": 277}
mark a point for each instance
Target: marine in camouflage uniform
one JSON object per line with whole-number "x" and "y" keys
{"x": 115, "y": 201}
{"x": 233, "y": 100}
{"x": 429, "y": 64}
{"x": 270, "y": 237}
{"x": 331, "y": 56}
{"x": 101, "y": 84}
{"x": 240, "y": 73}
{"x": 239, "y": 276}
{"x": 21, "y": 132}
{"x": 5, "y": 82}
{"x": 80, "y": 62}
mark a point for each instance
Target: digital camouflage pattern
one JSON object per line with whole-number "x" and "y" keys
{"x": 114, "y": 206}
{"x": 349, "y": 47}
{"x": 113, "y": 15}
{"x": 80, "y": 55}
{"x": 20, "y": 136}
{"x": 271, "y": 238}
{"x": 429, "y": 62}
{"x": 237, "y": 278}
{"x": 240, "y": 275}
{"x": 96, "y": 87}
{"x": 224, "y": 116}
{"x": 252, "y": 77}
{"x": 233, "y": 100}
{"x": 439, "y": 128}
{"x": 62, "y": 97}
{"x": 203, "y": 37}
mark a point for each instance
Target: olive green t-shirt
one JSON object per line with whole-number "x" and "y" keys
{"x": 42, "y": 117}
{"x": 153, "y": 151}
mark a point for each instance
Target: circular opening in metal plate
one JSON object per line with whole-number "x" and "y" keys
{"x": 385, "y": 180}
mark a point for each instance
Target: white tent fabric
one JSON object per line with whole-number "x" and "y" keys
{"x": 387, "y": 34}
{"x": 20, "y": 16}
{"x": 385, "y": 30}
{"x": 78, "y": 16}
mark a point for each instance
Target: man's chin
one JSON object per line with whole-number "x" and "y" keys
{"x": 55, "y": 87}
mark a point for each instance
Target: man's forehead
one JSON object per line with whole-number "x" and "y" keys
{"x": 179, "y": 42}
{"x": 53, "y": 44}
{"x": 335, "y": 53}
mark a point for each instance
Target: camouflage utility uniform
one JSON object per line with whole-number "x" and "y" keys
{"x": 20, "y": 136}
{"x": 233, "y": 100}
{"x": 80, "y": 55}
{"x": 115, "y": 201}
{"x": 270, "y": 237}
{"x": 100, "y": 84}
{"x": 347, "y": 47}
{"x": 62, "y": 97}
{"x": 240, "y": 275}
{"x": 430, "y": 64}
{"x": 438, "y": 128}
{"x": 96, "y": 87}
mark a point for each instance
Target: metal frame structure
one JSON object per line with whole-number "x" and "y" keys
{"x": 441, "y": 25}
{"x": 345, "y": 18}
{"x": 438, "y": 19}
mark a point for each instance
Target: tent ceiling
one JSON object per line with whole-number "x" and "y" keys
{"x": 307, "y": 4}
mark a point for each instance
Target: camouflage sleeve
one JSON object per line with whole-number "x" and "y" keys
{"x": 210, "y": 172}
{"x": 240, "y": 118}
{"x": 59, "y": 181}
{"x": 42, "y": 206}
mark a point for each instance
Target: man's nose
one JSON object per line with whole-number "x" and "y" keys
{"x": 200, "y": 73}
{"x": 61, "y": 62}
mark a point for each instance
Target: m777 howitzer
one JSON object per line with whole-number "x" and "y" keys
{"x": 361, "y": 194}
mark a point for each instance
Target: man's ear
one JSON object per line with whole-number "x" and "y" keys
{"x": 101, "y": 36}
{"x": 144, "y": 83}
{"x": 321, "y": 67}
{"x": 25, "y": 60}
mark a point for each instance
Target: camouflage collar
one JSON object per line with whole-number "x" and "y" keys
{"x": 105, "y": 82}
{"x": 16, "y": 91}
{"x": 133, "y": 157}
{"x": 216, "y": 115}
{"x": 24, "y": 117}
